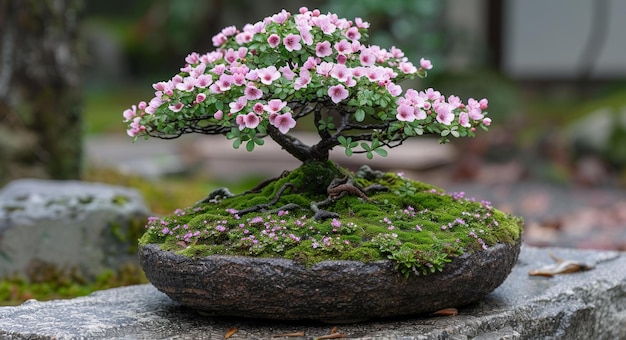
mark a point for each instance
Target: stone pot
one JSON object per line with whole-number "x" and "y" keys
{"x": 330, "y": 291}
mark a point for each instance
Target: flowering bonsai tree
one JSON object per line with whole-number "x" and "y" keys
{"x": 263, "y": 79}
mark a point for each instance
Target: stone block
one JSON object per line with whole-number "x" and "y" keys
{"x": 52, "y": 227}
{"x": 582, "y": 305}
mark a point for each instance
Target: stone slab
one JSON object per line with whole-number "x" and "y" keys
{"x": 584, "y": 305}
{"x": 67, "y": 227}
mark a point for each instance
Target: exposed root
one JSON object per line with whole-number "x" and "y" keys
{"x": 266, "y": 206}
{"x": 338, "y": 188}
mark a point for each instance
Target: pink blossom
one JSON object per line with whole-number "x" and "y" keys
{"x": 281, "y": 17}
{"x": 444, "y": 113}
{"x": 475, "y": 113}
{"x": 432, "y": 94}
{"x": 251, "y": 92}
{"x": 407, "y": 67}
{"x": 244, "y": 37}
{"x": 335, "y": 223}
{"x": 135, "y": 127}
{"x": 203, "y": 81}
{"x": 374, "y": 73}
{"x": 311, "y": 63}
{"x": 177, "y": 79}
{"x": 394, "y": 90}
{"x": 324, "y": 68}
{"x": 367, "y": 58}
{"x": 239, "y": 79}
{"x": 360, "y": 23}
{"x": 343, "y": 46}
{"x": 287, "y": 72}
{"x": 484, "y": 103}
{"x": 340, "y": 72}
{"x": 420, "y": 114}
{"x": 198, "y": 70}
{"x": 218, "y": 115}
{"x": 130, "y": 113}
{"x": 219, "y": 39}
{"x": 230, "y": 56}
{"x": 187, "y": 85}
{"x": 176, "y": 107}
{"x": 405, "y": 113}
{"x": 275, "y": 105}
{"x": 153, "y": 105}
{"x": 487, "y": 121}
{"x": 337, "y": 93}
{"x": 307, "y": 36}
{"x": 225, "y": 82}
{"x": 426, "y": 64}
{"x": 341, "y": 59}
{"x": 273, "y": 40}
{"x": 268, "y": 74}
{"x": 323, "y": 49}
{"x": 251, "y": 120}
{"x": 464, "y": 120}
{"x": 219, "y": 69}
{"x": 396, "y": 52}
{"x": 303, "y": 80}
{"x": 358, "y": 72}
{"x": 284, "y": 122}
{"x": 258, "y": 108}
{"x": 238, "y": 105}
{"x": 192, "y": 58}
{"x": 292, "y": 42}
{"x": 200, "y": 97}
{"x": 353, "y": 33}
{"x": 229, "y": 30}
{"x": 455, "y": 101}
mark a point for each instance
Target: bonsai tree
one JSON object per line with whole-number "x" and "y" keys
{"x": 264, "y": 79}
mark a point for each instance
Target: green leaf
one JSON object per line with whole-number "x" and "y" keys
{"x": 359, "y": 115}
{"x": 369, "y": 155}
{"x": 445, "y": 133}
{"x": 236, "y": 143}
{"x": 219, "y": 105}
{"x": 381, "y": 152}
{"x": 250, "y": 145}
{"x": 366, "y": 147}
{"x": 348, "y": 152}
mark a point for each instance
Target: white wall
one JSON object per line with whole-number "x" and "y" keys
{"x": 546, "y": 39}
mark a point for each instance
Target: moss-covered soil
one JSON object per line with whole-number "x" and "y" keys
{"x": 321, "y": 212}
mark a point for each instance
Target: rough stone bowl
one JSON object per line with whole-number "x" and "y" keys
{"x": 330, "y": 291}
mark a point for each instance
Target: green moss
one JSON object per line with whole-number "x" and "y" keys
{"x": 47, "y": 282}
{"x": 420, "y": 227}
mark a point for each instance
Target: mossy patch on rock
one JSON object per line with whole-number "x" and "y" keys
{"x": 418, "y": 226}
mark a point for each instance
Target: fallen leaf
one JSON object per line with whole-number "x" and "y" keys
{"x": 332, "y": 336}
{"x": 446, "y": 312}
{"x": 231, "y": 331}
{"x": 560, "y": 267}
{"x": 286, "y": 335}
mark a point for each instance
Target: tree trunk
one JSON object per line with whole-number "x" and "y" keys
{"x": 39, "y": 80}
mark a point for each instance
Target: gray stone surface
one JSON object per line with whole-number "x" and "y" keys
{"x": 67, "y": 226}
{"x": 585, "y": 305}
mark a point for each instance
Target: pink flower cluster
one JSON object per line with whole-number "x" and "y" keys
{"x": 417, "y": 106}
{"x": 236, "y": 77}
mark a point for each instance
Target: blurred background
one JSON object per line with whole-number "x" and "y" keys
{"x": 554, "y": 73}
